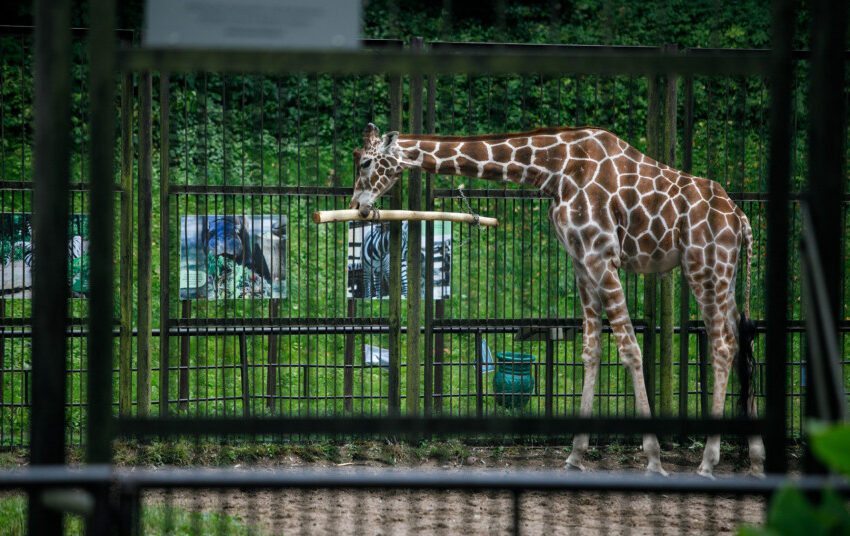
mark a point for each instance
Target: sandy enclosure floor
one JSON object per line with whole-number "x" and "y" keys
{"x": 385, "y": 512}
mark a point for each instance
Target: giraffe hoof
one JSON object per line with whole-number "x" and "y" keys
{"x": 656, "y": 470}
{"x": 756, "y": 472}
{"x": 570, "y": 466}
{"x": 706, "y": 474}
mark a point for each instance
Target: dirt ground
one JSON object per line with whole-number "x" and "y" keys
{"x": 330, "y": 512}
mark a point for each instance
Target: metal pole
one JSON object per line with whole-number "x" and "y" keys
{"x": 668, "y": 155}
{"x": 650, "y": 281}
{"x": 125, "y": 281}
{"x": 164, "y": 244}
{"x": 826, "y": 176}
{"x": 143, "y": 312}
{"x": 102, "y": 179}
{"x": 393, "y": 390}
{"x": 429, "y": 259}
{"x": 183, "y": 383}
{"x": 414, "y": 251}
{"x": 684, "y": 291}
{"x": 50, "y": 224}
{"x": 777, "y": 234}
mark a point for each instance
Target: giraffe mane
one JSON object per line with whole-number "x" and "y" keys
{"x": 495, "y": 137}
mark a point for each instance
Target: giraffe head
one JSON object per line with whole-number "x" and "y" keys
{"x": 379, "y": 165}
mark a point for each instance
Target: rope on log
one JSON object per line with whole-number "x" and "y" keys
{"x": 328, "y": 216}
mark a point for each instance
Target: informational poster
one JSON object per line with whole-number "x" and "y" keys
{"x": 369, "y": 260}
{"x": 252, "y": 24}
{"x": 17, "y": 255}
{"x": 231, "y": 257}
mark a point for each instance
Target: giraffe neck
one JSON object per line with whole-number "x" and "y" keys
{"x": 497, "y": 158}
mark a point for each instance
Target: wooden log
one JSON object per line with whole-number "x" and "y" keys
{"x": 328, "y": 216}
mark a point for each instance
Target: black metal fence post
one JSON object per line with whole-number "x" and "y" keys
{"x": 50, "y": 222}
{"x": 183, "y": 382}
{"x": 777, "y": 239}
{"x": 827, "y": 133}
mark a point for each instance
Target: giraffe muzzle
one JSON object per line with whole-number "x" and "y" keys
{"x": 365, "y": 210}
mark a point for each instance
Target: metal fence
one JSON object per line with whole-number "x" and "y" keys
{"x": 234, "y": 330}
{"x": 271, "y": 149}
{"x": 411, "y": 502}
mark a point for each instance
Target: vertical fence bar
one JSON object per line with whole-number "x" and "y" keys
{"x": 50, "y": 225}
{"x": 777, "y": 237}
{"x": 827, "y": 135}
{"x": 183, "y": 383}
{"x": 414, "y": 248}
{"x": 143, "y": 310}
{"x": 429, "y": 258}
{"x": 271, "y": 369}
{"x": 439, "y": 314}
{"x": 393, "y": 389}
{"x": 666, "y": 291}
{"x": 702, "y": 355}
{"x": 348, "y": 362}
{"x": 2, "y": 364}
{"x": 549, "y": 400}
{"x": 243, "y": 364}
{"x": 101, "y": 253}
{"x": 125, "y": 282}
{"x": 479, "y": 375}
{"x": 684, "y": 291}
{"x": 650, "y": 281}
{"x": 164, "y": 246}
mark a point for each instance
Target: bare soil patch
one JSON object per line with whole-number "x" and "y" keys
{"x": 328, "y": 512}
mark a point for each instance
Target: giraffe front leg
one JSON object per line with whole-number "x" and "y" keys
{"x": 590, "y": 356}
{"x": 614, "y": 302}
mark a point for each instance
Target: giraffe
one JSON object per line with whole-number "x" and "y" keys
{"x": 612, "y": 207}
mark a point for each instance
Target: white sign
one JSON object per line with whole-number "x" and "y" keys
{"x": 253, "y": 24}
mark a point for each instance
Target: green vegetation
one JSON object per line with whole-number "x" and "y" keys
{"x": 156, "y": 520}
{"x": 791, "y": 512}
{"x": 300, "y": 130}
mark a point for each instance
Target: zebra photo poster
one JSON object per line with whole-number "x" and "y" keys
{"x": 369, "y": 260}
{"x": 16, "y": 255}
{"x": 231, "y": 257}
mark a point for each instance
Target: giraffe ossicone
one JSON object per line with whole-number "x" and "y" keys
{"x": 612, "y": 207}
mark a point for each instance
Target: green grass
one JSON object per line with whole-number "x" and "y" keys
{"x": 156, "y": 520}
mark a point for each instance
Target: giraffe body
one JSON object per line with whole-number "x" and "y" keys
{"x": 612, "y": 207}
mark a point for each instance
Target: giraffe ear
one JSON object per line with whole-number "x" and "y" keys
{"x": 358, "y": 154}
{"x": 389, "y": 139}
{"x": 370, "y": 135}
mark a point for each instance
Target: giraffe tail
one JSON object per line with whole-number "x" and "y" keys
{"x": 746, "y": 332}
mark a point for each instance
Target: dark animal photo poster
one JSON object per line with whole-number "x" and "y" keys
{"x": 232, "y": 257}
{"x": 17, "y": 248}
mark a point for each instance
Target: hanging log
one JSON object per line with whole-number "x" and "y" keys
{"x": 328, "y": 216}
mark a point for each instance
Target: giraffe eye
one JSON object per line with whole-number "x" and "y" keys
{"x": 364, "y": 164}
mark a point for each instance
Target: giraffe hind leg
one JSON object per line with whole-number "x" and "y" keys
{"x": 716, "y": 299}
{"x": 614, "y": 302}
{"x": 591, "y": 355}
